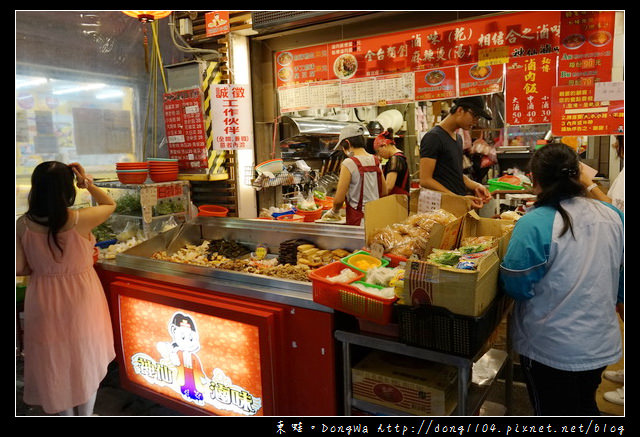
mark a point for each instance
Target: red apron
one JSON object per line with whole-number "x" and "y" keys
{"x": 354, "y": 215}
{"x": 401, "y": 189}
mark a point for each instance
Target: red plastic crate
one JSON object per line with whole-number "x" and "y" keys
{"x": 347, "y": 298}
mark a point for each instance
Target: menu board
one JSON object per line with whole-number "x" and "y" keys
{"x": 586, "y": 47}
{"x": 184, "y": 126}
{"x": 528, "y": 89}
{"x": 576, "y": 111}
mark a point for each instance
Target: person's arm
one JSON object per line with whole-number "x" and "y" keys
{"x": 390, "y": 180}
{"x": 593, "y": 190}
{"x": 92, "y": 216}
{"x": 341, "y": 189}
{"x": 477, "y": 188}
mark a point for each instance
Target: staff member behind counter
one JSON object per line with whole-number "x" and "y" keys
{"x": 441, "y": 152}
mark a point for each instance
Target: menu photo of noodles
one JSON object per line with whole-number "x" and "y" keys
{"x": 345, "y": 66}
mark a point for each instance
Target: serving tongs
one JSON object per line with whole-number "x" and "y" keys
{"x": 181, "y": 236}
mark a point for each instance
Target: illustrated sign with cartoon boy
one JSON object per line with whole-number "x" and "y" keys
{"x": 181, "y": 369}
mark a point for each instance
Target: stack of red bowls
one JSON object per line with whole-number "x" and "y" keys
{"x": 163, "y": 169}
{"x": 132, "y": 172}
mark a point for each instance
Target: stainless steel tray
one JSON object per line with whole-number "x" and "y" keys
{"x": 249, "y": 232}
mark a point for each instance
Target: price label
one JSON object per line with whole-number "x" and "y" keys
{"x": 148, "y": 199}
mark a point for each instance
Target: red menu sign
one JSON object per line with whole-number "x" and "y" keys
{"x": 474, "y": 79}
{"x": 528, "y": 89}
{"x": 577, "y": 112}
{"x": 184, "y": 126}
{"x": 436, "y": 84}
{"x": 586, "y": 47}
{"x": 525, "y": 33}
{"x": 216, "y": 23}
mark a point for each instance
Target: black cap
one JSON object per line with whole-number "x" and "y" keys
{"x": 476, "y": 104}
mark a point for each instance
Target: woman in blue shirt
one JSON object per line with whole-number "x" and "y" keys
{"x": 564, "y": 268}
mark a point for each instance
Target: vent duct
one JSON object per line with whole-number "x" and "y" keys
{"x": 273, "y": 21}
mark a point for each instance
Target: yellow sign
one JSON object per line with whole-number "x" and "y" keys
{"x": 493, "y": 56}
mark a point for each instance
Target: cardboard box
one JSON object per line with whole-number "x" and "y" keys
{"x": 464, "y": 292}
{"x": 397, "y": 208}
{"x": 476, "y": 226}
{"x": 406, "y": 384}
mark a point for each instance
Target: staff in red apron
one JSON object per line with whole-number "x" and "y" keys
{"x": 361, "y": 178}
{"x": 396, "y": 169}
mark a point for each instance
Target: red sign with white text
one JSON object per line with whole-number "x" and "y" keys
{"x": 216, "y": 23}
{"x": 525, "y": 33}
{"x": 576, "y": 112}
{"x": 436, "y": 84}
{"x": 586, "y": 47}
{"x": 528, "y": 89}
{"x": 184, "y": 126}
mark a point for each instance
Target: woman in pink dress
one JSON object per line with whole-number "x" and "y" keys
{"x": 68, "y": 338}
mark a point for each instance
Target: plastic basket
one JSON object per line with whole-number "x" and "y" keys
{"x": 437, "y": 328}
{"x": 346, "y": 298}
{"x": 347, "y": 260}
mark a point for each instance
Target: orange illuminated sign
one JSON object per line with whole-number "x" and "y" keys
{"x": 205, "y": 361}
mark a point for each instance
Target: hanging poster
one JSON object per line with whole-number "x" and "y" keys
{"x": 529, "y": 81}
{"x": 184, "y": 127}
{"x": 232, "y": 118}
{"x": 577, "y": 112}
{"x": 586, "y": 47}
{"x": 474, "y": 79}
{"x": 216, "y": 23}
{"x": 436, "y": 84}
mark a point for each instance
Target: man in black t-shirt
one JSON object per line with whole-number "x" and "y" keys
{"x": 441, "y": 152}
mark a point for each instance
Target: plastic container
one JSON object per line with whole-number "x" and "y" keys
{"x": 355, "y": 259}
{"x": 346, "y": 298}
{"x": 310, "y": 216}
{"x": 212, "y": 211}
{"x": 132, "y": 176}
{"x": 325, "y": 204}
{"x": 437, "y": 328}
{"x": 290, "y": 218}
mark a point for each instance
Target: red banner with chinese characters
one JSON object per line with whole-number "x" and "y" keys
{"x": 184, "y": 127}
{"x": 528, "y": 89}
{"x": 577, "y": 112}
{"x": 586, "y": 47}
{"x": 525, "y": 33}
{"x": 436, "y": 84}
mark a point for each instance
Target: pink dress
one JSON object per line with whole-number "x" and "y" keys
{"x": 68, "y": 339}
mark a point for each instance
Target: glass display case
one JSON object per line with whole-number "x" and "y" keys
{"x": 144, "y": 210}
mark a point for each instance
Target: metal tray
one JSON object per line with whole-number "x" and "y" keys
{"x": 249, "y": 232}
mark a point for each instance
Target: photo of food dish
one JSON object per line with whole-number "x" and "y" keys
{"x": 573, "y": 41}
{"x": 285, "y": 74}
{"x": 345, "y": 66}
{"x": 599, "y": 38}
{"x": 435, "y": 77}
{"x": 284, "y": 59}
{"x": 480, "y": 73}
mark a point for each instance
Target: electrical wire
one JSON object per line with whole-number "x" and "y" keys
{"x": 186, "y": 48}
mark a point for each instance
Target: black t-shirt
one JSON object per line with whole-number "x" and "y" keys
{"x": 437, "y": 144}
{"x": 398, "y": 163}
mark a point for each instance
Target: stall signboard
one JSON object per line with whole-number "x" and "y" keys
{"x": 436, "y": 84}
{"x": 529, "y": 81}
{"x": 577, "y": 111}
{"x": 586, "y": 47}
{"x": 524, "y": 33}
{"x": 474, "y": 79}
{"x": 216, "y": 23}
{"x": 232, "y": 117}
{"x": 204, "y": 361}
{"x": 184, "y": 127}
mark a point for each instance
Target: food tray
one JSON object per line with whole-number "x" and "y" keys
{"x": 437, "y": 328}
{"x": 346, "y": 260}
{"x": 347, "y": 298}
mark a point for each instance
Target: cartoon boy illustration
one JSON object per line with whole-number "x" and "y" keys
{"x": 182, "y": 354}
